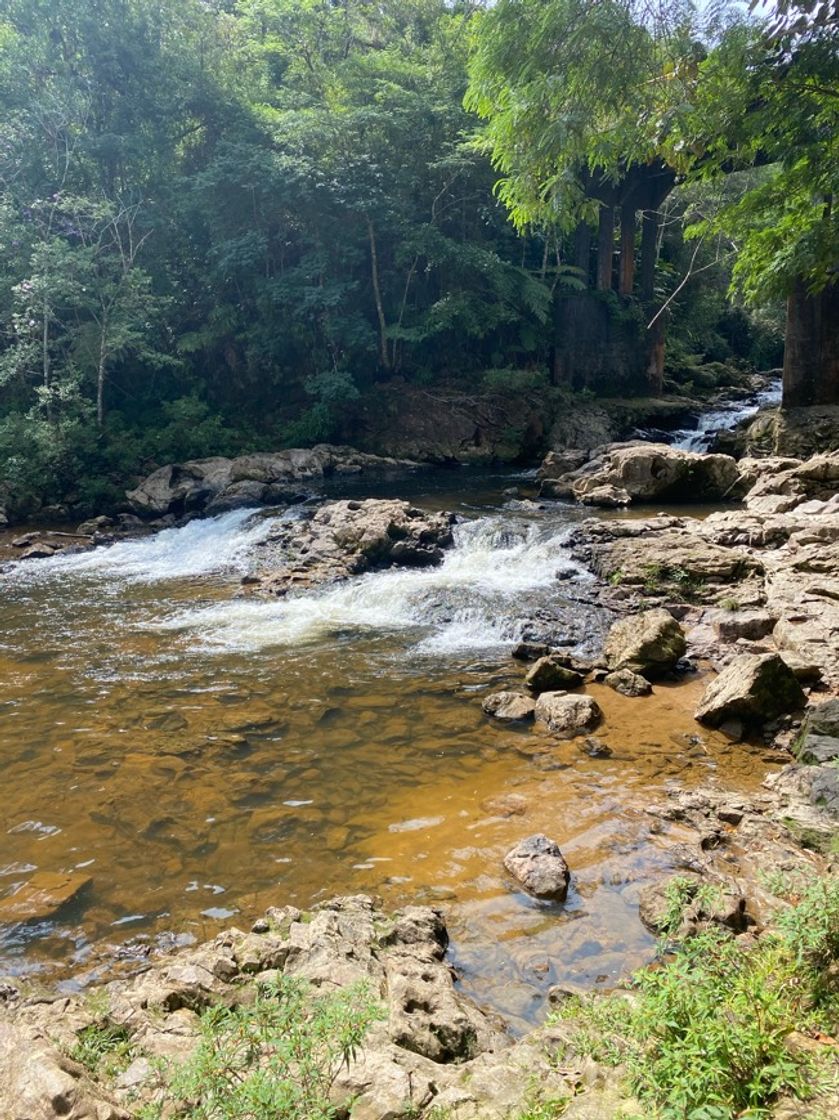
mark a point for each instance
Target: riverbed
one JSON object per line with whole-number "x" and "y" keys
{"x": 191, "y": 755}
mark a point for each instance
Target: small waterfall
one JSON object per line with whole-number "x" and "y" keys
{"x": 724, "y": 417}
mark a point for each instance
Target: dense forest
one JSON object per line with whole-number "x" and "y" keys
{"x": 224, "y": 223}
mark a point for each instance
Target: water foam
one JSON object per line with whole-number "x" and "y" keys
{"x": 725, "y": 418}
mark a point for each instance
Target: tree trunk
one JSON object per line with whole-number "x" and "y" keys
{"x": 655, "y": 357}
{"x": 605, "y": 247}
{"x": 100, "y": 378}
{"x": 582, "y": 251}
{"x": 384, "y": 356}
{"x": 627, "y": 263}
{"x": 811, "y": 352}
{"x": 45, "y": 358}
{"x": 649, "y": 249}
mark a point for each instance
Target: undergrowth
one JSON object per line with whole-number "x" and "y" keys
{"x": 706, "y": 1034}
{"x": 276, "y": 1058}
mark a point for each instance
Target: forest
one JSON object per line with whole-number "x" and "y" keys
{"x": 224, "y": 224}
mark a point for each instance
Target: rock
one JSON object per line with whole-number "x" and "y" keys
{"x": 703, "y": 900}
{"x": 806, "y": 672}
{"x": 567, "y": 715}
{"x": 817, "y": 749}
{"x": 38, "y": 1082}
{"x": 530, "y": 651}
{"x": 538, "y": 864}
{"x": 824, "y": 719}
{"x": 558, "y": 463}
{"x": 594, "y": 748}
{"x": 754, "y": 688}
{"x": 346, "y": 538}
{"x": 643, "y": 471}
{"x": 25, "y": 540}
{"x": 548, "y": 674}
{"x": 505, "y": 805}
{"x": 42, "y": 896}
{"x": 95, "y": 525}
{"x": 752, "y": 625}
{"x": 219, "y": 484}
{"x": 774, "y": 491}
{"x": 650, "y": 643}
{"x": 509, "y": 706}
{"x": 610, "y": 497}
{"x": 39, "y": 551}
{"x": 628, "y": 683}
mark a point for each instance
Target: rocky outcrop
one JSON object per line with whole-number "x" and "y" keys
{"x": 800, "y": 432}
{"x": 645, "y": 472}
{"x": 342, "y": 539}
{"x": 567, "y": 715}
{"x": 809, "y": 487}
{"x": 539, "y": 866}
{"x": 650, "y": 643}
{"x": 216, "y": 485}
{"x": 753, "y": 688}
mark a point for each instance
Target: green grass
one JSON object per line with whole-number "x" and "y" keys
{"x": 103, "y": 1048}
{"x": 703, "y": 1036}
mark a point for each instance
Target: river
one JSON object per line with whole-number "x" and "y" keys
{"x": 192, "y": 755}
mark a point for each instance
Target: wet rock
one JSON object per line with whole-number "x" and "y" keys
{"x": 42, "y": 896}
{"x": 628, "y": 683}
{"x": 346, "y": 538}
{"x": 608, "y": 497}
{"x": 754, "y": 688}
{"x": 594, "y": 748}
{"x": 530, "y": 651}
{"x": 509, "y": 706}
{"x": 567, "y": 715}
{"x": 558, "y": 463}
{"x": 538, "y": 865}
{"x": 39, "y": 551}
{"x": 549, "y": 674}
{"x": 505, "y": 805}
{"x": 649, "y": 643}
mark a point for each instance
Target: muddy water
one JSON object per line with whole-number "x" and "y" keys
{"x": 197, "y": 755}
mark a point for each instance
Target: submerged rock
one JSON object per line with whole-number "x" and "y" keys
{"x": 649, "y": 643}
{"x": 754, "y": 688}
{"x": 538, "y": 864}
{"x": 42, "y": 896}
{"x": 567, "y": 715}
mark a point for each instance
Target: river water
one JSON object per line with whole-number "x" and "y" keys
{"x": 193, "y": 755}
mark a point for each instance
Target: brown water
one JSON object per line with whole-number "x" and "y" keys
{"x": 200, "y": 756}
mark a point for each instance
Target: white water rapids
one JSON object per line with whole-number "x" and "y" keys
{"x": 724, "y": 418}
{"x": 500, "y": 569}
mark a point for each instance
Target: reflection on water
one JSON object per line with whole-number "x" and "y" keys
{"x": 199, "y": 755}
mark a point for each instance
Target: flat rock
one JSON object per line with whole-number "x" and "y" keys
{"x": 42, "y": 896}
{"x": 509, "y": 706}
{"x": 567, "y": 715}
{"x": 754, "y": 688}
{"x": 824, "y": 718}
{"x": 538, "y": 865}
{"x": 818, "y": 748}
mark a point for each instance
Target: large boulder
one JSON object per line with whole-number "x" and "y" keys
{"x": 567, "y": 715}
{"x": 774, "y": 491}
{"x": 753, "y": 688}
{"x": 649, "y": 643}
{"x": 538, "y": 864}
{"x": 645, "y": 472}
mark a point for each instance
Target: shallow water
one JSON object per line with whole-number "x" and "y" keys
{"x": 201, "y": 755}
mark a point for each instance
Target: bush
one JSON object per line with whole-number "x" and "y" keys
{"x": 275, "y": 1059}
{"x": 704, "y": 1036}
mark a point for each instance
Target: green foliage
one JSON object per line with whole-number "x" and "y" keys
{"x": 704, "y": 1034}
{"x": 273, "y": 1059}
{"x": 103, "y": 1048}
